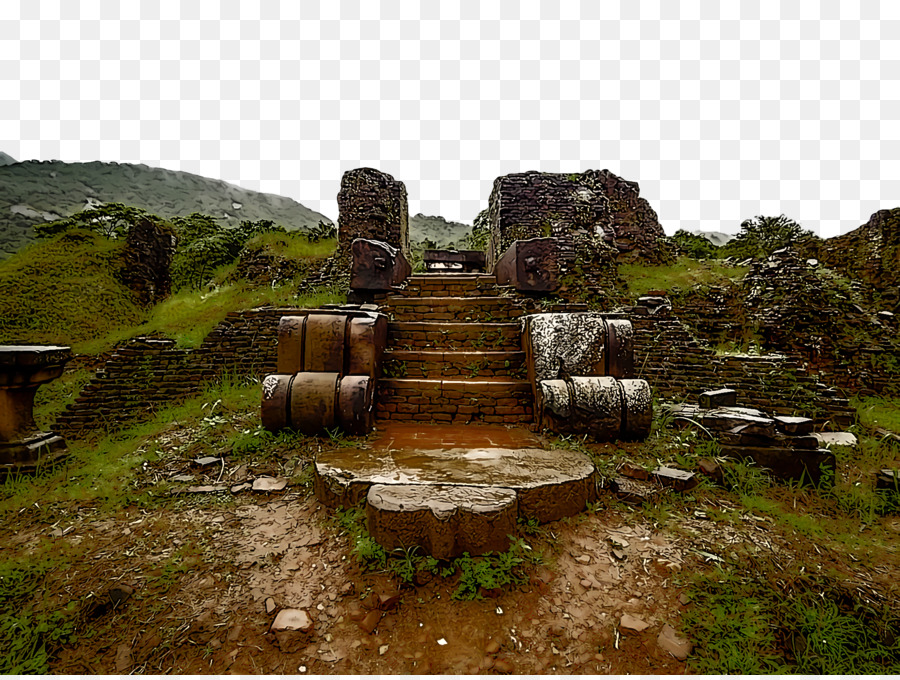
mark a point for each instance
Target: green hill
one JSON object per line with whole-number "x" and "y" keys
{"x": 33, "y": 192}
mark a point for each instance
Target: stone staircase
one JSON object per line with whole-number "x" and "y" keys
{"x": 454, "y": 352}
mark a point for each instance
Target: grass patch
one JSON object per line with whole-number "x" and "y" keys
{"x": 875, "y": 412}
{"x": 30, "y": 628}
{"x": 64, "y": 291}
{"x": 760, "y": 618}
{"x": 292, "y": 245}
{"x": 484, "y": 572}
{"x": 685, "y": 273}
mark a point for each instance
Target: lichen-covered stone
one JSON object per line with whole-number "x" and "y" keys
{"x": 445, "y": 521}
{"x": 373, "y": 205}
{"x": 598, "y": 203}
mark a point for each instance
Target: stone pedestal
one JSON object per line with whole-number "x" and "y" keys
{"x": 23, "y": 369}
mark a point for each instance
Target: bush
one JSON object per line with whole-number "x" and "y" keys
{"x": 695, "y": 246}
{"x": 762, "y": 236}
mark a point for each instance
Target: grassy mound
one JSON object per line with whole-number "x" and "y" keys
{"x": 64, "y": 290}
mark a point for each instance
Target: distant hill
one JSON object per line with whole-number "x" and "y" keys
{"x": 6, "y": 159}
{"x": 441, "y": 232}
{"x": 32, "y": 192}
{"x": 717, "y": 238}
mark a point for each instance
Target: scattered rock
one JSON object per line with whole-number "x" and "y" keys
{"x": 634, "y": 471}
{"x": 118, "y": 594}
{"x": 583, "y": 559}
{"x": 292, "y": 629}
{"x": 503, "y": 666}
{"x": 713, "y": 398}
{"x": 711, "y": 469}
{"x": 632, "y": 491}
{"x": 124, "y": 660}
{"x": 355, "y": 611}
{"x": 829, "y": 439}
{"x": 206, "y": 488}
{"x": 888, "y": 480}
{"x": 386, "y": 601}
{"x": 673, "y": 643}
{"x": 492, "y": 647}
{"x": 270, "y": 605}
{"x": 680, "y": 480}
{"x": 370, "y": 621}
{"x": 794, "y": 424}
{"x": 206, "y": 461}
{"x": 383, "y": 649}
{"x": 237, "y": 488}
{"x": 618, "y": 554}
{"x": 632, "y": 623}
{"x": 270, "y": 484}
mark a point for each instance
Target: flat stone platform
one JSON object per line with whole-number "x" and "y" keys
{"x": 549, "y": 485}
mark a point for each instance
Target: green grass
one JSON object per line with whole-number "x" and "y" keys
{"x": 53, "y": 398}
{"x": 64, "y": 291}
{"x": 188, "y": 317}
{"x": 30, "y": 628}
{"x": 876, "y": 412}
{"x": 757, "y": 617}
{"x": 685, "y": 273}
{"x": 292, "y": 245}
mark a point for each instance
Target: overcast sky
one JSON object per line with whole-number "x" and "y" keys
{"x": 720, "y": 111}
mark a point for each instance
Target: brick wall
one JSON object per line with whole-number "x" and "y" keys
{"x": 373, "y": 205}
{"x": 147, "y": 373}
{"x": 534, "y": 204}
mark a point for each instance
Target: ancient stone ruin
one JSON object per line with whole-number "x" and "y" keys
{"x": 373, "y": 205}
{"x": 23, "y": 369}
{"x": 593, "y": 204}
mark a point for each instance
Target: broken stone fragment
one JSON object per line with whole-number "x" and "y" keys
{"x": 888, "y": 480}
{"x": 370, "y": 621}
{"x": 206, "y": 461}
{"x": 292, "y": 629}
{"x": 269, "y": 484}
{"x": 680, "y": 480}
{"x": 829, "y": 439}
{"x": 632, "y": 491}
{"x": 676, "y": 645}
{"x": 713, "y": 398}
{"x": 632, "y": 624}
{"x": 270, "y": 605}
{"x": 794, "y": 424}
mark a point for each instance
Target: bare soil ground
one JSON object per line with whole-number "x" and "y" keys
{"x": 193, "y": 585}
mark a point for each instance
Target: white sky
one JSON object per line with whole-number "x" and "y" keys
{"x": 721, "y": 111}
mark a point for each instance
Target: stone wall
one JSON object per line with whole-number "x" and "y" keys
{"x": 679, "y": 368}
{"x": 870, "y": 254}
{"x": 372, "y": 205}
{"x": 597, "y": 203}
{"x": 147, "y": 373}
{"x": 147, "y": 261}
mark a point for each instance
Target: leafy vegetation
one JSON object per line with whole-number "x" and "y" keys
{"x": 695, "y": 246}
{"x": 761, "y": 236}
{"x": 754, "y": 617}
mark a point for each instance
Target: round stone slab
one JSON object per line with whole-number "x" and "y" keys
{"x": 549, "y": 485}
{"x": 446, "y": 521}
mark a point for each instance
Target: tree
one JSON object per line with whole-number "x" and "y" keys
{"x": 481, "y": 232}
{"x": 694, "y": 245}
{"x": 762, "y": 236}
{"x": 112, "y": 220}
{"x": 205, "y": 245}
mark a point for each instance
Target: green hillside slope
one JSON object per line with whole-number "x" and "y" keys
{"x": 33, "y": 192}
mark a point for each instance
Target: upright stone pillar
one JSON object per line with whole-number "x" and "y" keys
{"x": 373, "y": 205}
{"x": 24, "y": 368}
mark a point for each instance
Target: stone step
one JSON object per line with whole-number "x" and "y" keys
{"x": 488, "y": 400}
{"x": 452, "y": 336}
{"x": 486, "y": 308}
{"x": 458, "y": 285}
{"x": 549, "y": 485}
{"x": 443, "y": 520}
{"x": 473, "y": 364}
